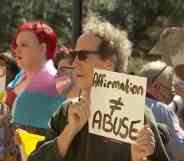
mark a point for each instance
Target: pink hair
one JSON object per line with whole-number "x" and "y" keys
{"x": 44, "y": 33}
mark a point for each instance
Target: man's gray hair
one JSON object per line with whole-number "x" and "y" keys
{"x": 157, "y": 70}
{"x": 116, "y": 41}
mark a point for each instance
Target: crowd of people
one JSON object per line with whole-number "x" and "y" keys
{"x": 48, "y": 94}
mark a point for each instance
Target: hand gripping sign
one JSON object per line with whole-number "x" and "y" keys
{"x": 117, "y": 105}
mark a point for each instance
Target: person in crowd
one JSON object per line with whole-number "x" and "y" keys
{"x": 33, "y": 47}
{"x": 63, "y": 60}
{"x": 9, "y": 70}
{"x": 7, "y": 61}
{"x": 33, "y": 94}
{"x": 171, "y": 48}
{"x": 105, "y": 47}
{"x": 160, "y": 94}
{"x": 159, "y": 81}
{"x": 63, "y": 64}
{"x": 177, "y": 105}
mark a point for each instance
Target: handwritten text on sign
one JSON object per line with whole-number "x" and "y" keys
{"x": 117, "y": 105}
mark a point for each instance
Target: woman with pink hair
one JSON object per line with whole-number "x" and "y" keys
{"x": 35, "y": 92}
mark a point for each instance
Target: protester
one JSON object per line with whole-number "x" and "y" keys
{"x": 7, "y": 61}
{"x": 63, "y": 64}
{"x": 34, "y": 88}
{"x": 63, "y": 59}
{"x": 159, "y": 81}
{"x": 33, "y": 47}
{"x": 9, "y": 69}
{"x": 160, "y": 93}
{"x": 177, "y": 105}
{"x": 105, "y": 47}
{"x": 170, "y": 46}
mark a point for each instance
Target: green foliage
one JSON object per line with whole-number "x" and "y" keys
{"x": 57, "y": 13}
{"x": 138, "y": 16}
{"x": 144, "y": 19}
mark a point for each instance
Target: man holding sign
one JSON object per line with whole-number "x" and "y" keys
{"x": 104, "y": 47}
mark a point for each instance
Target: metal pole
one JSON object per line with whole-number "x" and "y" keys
{"x": 77, "y": 20}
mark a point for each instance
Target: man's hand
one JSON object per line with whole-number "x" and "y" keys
{"x": 78, "y": 115}
{"x": 144, "y": 146}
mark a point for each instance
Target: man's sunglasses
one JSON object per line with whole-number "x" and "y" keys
{"x": 61, "y": 68}
{"x": 83, "y": 54}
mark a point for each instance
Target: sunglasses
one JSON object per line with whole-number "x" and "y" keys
{"x": 65, "y": 70}
{"x": 82, "y": 55}
{"x": 61, "y": 68}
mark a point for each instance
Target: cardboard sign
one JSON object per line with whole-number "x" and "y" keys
{"x": 117, "y": 105}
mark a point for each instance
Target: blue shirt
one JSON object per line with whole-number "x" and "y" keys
{"x": 35, "y": 105}
{"x": 164, "y": 115}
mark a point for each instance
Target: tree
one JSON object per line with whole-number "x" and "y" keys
{"x": 141, "y": 18}
{"x": 57, "y": 13}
